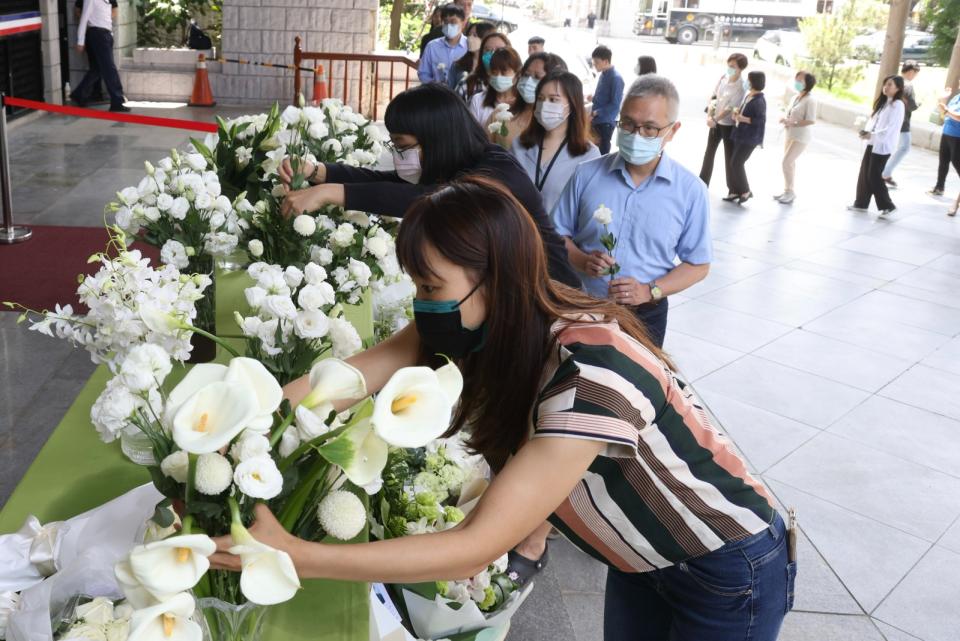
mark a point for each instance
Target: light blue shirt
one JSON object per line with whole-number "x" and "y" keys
{"x": 560, "y": 172}
{"x": 440, "y": 52}
{"x": 665, "y": 218}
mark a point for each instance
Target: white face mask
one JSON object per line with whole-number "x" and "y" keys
{"x": 501, "y": 84}
{"x": 407, "y": 164}
{"x": 550, "y": 114}
{"x": 451, "y": 31}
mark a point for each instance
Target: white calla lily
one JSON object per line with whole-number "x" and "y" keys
{"x": 197, "y": 378}
{"x": 132, "y": 589}
{"x": 213, "y": 416}
{"x": 268, "y": 575}
{"x": 172, "y": 565}
{"x": 359, "y": 451}
{"x": 266, "y": 389}
{"x": 333, "y": 379}
{"x": 416, "y": 404}
{"x": 166, "y": 621}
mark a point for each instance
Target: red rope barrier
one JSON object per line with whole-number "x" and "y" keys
{"x": 64, "y": 110}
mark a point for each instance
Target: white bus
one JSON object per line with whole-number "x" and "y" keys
{"x": 687, "y": 21}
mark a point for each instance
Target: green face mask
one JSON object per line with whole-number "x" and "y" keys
{"x": 486, "y": 57}
{"x": 799, "y": 86}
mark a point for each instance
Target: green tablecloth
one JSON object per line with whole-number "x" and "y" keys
{"x": 75, "y": 472}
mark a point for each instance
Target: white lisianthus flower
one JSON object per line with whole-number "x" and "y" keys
{"x": 164, "y": 202}
{"x": 317, "y": 130}
{"x": 293, "y": 276}
{"x": 255, "y": 296}
{"x": 152, "y": 214}
{"x": 258, "y": 478}
{"x": 250, "y": 325}
{"x": 321, "y": 255}
{"x": 313, "y": 297}
{"x": 203, "y": 200}
{"x": 220, "y": 243}
{"x": 217, "y": 219}
{"x": 358, "y": 218}
{"x": 291, "y": 115}
{"x": 255, "y": 247}
{"x": 332, "y": 145}
{"x": 129, "y": 196}
{"x": 494, "y": 127}
{"x": 124, "y": 219}
{"x": 176, "y": 466}
{"x": 342, "y": 515}
{"x": 172, "y": 565}
{"x": 243, "y": 156}
{"x": 289, "y": 442}
{"x": 174, "y": 253}
{"x": 180, "y": 207}
{"x": 145, "y": 367}
{"x": 304, "y": 225}
{"x": 311, "y": 324}
{"x": 214, "y": 474}
{"x": 603, "y": 215}
{"x": 373, "y": 133}
{"x": 360, "y": 272}
{"x": 314, "y": 274}
{"x": 280, "y": 307}
{"x": 346, "y": 340}
{"x": 196, "y": 162}
{"x": 348, "y": 142}
{"x": 250, "y": 445}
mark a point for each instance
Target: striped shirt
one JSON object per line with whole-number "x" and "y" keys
{"x": 667, "y": 486}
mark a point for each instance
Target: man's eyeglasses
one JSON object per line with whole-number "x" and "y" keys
{"x": 647, "y": 129}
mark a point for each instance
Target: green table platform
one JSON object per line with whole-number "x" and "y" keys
{"x": 75, "y": 472}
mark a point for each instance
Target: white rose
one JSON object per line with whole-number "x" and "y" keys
{"x": 179, "y": 208}
{"x": 314, "y": 274}
{"x": 214, "y": 474}
{"x": 321, "y": 255}
{"x": 174, "y": 253}
{"x": 176, "y": 466}
{"x": 304, "y": 225}
{"x": 258, "y": 478}
{"x": 311, "y": 324}
{"x": 603, "y": 215}
{"x": 196, "y": 162}
{"x": 249, "y": 446}
{"x": 255, "y": 296}
{"x": 145, "y": 367}
{"x": 255, "y": 247}
{"x": 313, "y": 297}
{"x": 343, "y": 236}
{"x": 280, "y": 307}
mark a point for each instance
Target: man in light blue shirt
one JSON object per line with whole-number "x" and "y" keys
{"x": 441, "y": 53}
{"x": 659, "y": 212}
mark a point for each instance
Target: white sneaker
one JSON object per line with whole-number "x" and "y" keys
{"x": 887, "y": 212}
{"x": 857, "y": 209}
{"x": 787, "y": 197}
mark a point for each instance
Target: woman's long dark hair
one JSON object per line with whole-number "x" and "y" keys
{"x": 479, "y": 225}
{"x": 450, "y": 137}
{"x": 882, "y": 98}
{"x": 578, "y": 126}
{"x": 480, "y": 77}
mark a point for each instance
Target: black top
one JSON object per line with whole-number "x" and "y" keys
{"x": 911, "y": 99}
{"x": 391, "y": 196}
{"x": 752, "y": 133}
{"x": 433, "y": 34}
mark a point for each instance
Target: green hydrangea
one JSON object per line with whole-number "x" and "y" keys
{"x": 489, "y": 598}
{"x": 453, "y": 514}
{"x": 442, "y": 587}
{"x": 435, "y": 461}
{"x": 431, "y": 482}
{"x": 452, "y": 478}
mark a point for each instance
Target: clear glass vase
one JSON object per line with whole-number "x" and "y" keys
{"x": 137, "y": 446}
{"x": 228, "y": 622}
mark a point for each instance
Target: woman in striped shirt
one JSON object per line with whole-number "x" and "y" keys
{"x": 585, "y": 423}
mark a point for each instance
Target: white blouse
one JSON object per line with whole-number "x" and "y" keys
{"x": 884, "y": 127}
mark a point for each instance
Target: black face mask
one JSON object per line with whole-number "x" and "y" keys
{"x": 441, "y": 329}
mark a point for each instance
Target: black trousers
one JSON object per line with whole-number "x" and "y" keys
{"x": 604, "y": 131}
{"x": 720, "y": 133}
{"x": 870, "y": 182}
{"x": 654, "y": 318}
{"x": 99, "y": 44}
{"x": 738, "y": 170}
{"x": 949, "y": 155}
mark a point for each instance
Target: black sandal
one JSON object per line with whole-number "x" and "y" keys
{"x": 520, "y": 569}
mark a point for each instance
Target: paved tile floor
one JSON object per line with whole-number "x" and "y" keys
{"x": 825, "y": 342}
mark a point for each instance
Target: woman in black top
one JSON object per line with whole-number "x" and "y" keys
{"x": 751, "y": 120}
{"x": 434, "y": 140}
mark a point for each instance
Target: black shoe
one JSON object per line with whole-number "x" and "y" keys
{"x": 730, "y": 198}
{"x": 935, "y": 192}
{"x": 891, "y": 183}
{"x": 78, "y": 102}
{"x": 520, "y": 569}
{"x": 745, "y": 197}
{"x": 121, "y": 109}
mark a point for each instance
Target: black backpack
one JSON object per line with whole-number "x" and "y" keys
{"x": 197, "y": 38}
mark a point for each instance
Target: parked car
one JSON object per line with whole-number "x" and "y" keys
{"x": 780, "y": 46}
{"x": 485, "y": 13}
{"x": 916, "y": 46}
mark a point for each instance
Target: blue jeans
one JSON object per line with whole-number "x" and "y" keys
{"x": 903, "y": 147}
{"x": 740, "y": 592}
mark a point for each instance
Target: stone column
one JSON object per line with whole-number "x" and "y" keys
{"x": 263, "y": 31}
{"x": 50, "y": 47}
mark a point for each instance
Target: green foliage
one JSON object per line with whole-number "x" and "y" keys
{"x": 411, "y": 26}
{"x": 829, "y": 43}
{"x": 944, "y": 17}
{"x": 163, "y": 23}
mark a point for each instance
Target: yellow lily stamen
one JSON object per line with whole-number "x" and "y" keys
{"x": 202, "y": 425}
{"x": 401, "y": 403}
{"x": 168, "y": 621}
{"x": 183, "y": 554}
{"x": 257, "y": 476}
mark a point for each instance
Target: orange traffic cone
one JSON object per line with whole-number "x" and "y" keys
{"x": 202, "y": 96}
{"x": 319, "y": 85}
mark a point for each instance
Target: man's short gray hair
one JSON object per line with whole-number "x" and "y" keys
{"x": 651, "y": 84}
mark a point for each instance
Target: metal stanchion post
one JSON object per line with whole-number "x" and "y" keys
{"x": 10, "y": 233}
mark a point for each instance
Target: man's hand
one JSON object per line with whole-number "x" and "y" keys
{"x": 80, "y": 48}
{"x": 628, "y": 291}
{"x": 596, "y": 263}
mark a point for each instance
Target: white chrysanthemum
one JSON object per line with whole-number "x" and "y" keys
{"x": 346, "y": 340}
{"x": 176, "y": 466}
{"x": 342, "y": 515}
{"x": 249, "y": 446}
{"x": 255, "y": 247}
{"x": 258, "y": 478}
{"x": 343, "y": 236}
{"x": 214, "y": 474}
{"x": 304, "y": 225}
{"x": 145, "y": 367}
{"x": 112, "y": 410}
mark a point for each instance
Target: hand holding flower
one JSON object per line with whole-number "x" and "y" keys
{"x": 316, "y": 174}
{"x": 311, "y": 199}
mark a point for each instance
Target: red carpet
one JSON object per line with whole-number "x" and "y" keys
{"x": 43, "y": 271}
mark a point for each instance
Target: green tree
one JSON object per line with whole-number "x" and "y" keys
{"x": 829, "y": 41}
{"x": 943, "y": 16}
{"x": 164, "y": 22}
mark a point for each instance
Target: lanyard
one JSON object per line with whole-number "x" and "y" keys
{"x": 542, "y": 180}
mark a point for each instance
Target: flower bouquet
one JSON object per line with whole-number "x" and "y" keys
{"x": 431, "y": 489}
{"x": 501, "y": 116}
{"x": 295, "y": 319}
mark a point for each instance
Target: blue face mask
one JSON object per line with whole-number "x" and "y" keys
{"x": 451, "y": 31}
{"x": 636, "y": 149}
{"x": 486, "y": 57}
{"x": 528, "y": 89}
{"x": 799, "y": 86}
{"x": 441, "y": 328}
{"x": 731, "y": 72}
